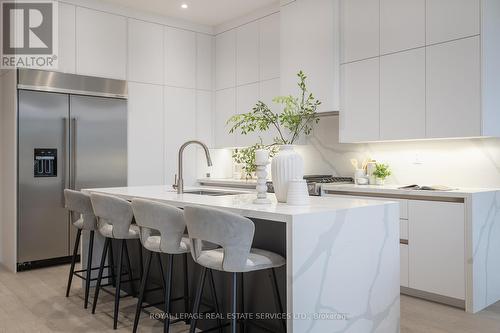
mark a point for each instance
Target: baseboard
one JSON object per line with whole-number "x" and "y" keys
{"x": 455, "y": 302}
{"x": 26, "y": 266}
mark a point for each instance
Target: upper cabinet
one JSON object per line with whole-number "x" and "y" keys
{"x": 309, "y": 42}
{"x": 360, "y": 32}
{"x": 204, "y": 61}
{"x": 453, "y": 19}
{"x": 269, "y": 48}
{"x": 225, "y": 60}
{"x": 67, "y": 42}
{"x": 180, "y": 58}
{"x": 402, "y": 25}
{"x": 145, "y": 52}
{"x": 439, "y": 73}
{"x": 454, "y": 89}
{"x": 247, "y": 53}
{"x": 101, "y": 44}
{"x": 360, "y": 96}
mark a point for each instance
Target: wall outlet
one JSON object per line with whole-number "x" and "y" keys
{"x": 418, "y": 159}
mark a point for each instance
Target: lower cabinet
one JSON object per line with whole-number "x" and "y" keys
{"x": 404, "y": 266}
{"x": 432, "y": 248}
{"x": 437, "y": 247}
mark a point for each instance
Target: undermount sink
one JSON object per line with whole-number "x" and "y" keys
{"x": 212, "y": 193}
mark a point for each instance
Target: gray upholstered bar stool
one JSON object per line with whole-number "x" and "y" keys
{"x": 79, "y": 203}
{"x": 115, "y": 217}
{"x": 234, "y": 233}
{"x": 162, "y": 232}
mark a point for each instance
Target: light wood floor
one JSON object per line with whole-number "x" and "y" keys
{"x": 34, "y": 301}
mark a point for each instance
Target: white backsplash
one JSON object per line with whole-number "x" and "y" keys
{"x": 458, "y": 162}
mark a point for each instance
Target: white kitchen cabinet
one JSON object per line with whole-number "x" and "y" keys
{"x": 311, "y": 47}
{"x": 246, "y": 98}
{"x": 360, "y": 101}
{"x": 360, "y": 29}
{"x": 454, "y": 89}
{"x": 402, "y": 25}
{"x": 403, "y": 229}
{"x": 404, "y": 265}
{"x": 180, "y": 58}
{"x": 145, "y": 52}
{"x": 402, "y": 95}
{"x": 67, "y": 42}
{"x": 145, "y": 152}
{"x": 204, "y": 61}
{"x": 225, "y": 60}
{"x": 204, "y": 117}
{"x": 225, "y": 107}
{"x": 180, "y": 126}
{"x": 268, "y": 90}
{"x": 452, "y": 19}
{"x": 247, "y": 53}
{"x": 101, "y": 44}
{"x": 269, "y": 49}
{"x": 437, "y": 247}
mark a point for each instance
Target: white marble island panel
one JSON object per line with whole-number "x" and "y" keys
{"x": 342, "y": 272}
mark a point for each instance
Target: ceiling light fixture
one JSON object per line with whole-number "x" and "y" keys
{"x": 184, "y": 6}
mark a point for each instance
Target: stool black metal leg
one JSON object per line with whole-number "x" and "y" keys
{"x": 197, "y": 299}
{"x": 243, "y": 325}
{"x": 186, "y": 287}
{"x": 277, "y": 298}
{"x": 118, "y": 282}
{"x": 73, "y": 261}
{"x": 141, "y": 260}
{"x": 162, "y": 270}
{"x": 112, "y": 263}
{"x": 168, "y": 292}
{"x": 144, "y": 281}
{"x": 234, "y": 302}
{"x": 89, "y": 268}
{"x": 99, "y": 276}
{"x": 216, "y": 301}
{"x": 129, "y": 270}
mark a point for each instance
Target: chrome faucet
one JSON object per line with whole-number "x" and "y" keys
{"x": 179, "y": 181}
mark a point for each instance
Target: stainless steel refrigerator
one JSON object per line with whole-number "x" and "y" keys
{"x": 72, "y": 134}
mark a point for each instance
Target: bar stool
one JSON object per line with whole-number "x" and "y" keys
{"x": 78, "y": 202}
{"x": 234, "y": 233}
{"x": 162, "y": 232}
{"x": 115, "y": 218}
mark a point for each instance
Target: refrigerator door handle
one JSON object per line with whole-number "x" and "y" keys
{"x": 73, "y": 152}
{"x": 64, "y": 159}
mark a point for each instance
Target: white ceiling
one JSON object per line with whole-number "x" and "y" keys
{"x": 209, "y": 12}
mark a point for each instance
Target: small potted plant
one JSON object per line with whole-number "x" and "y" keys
{"x": 246, "y": 158}
{"x": 382, "y": 171}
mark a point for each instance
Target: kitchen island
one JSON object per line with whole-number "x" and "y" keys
{"x": 342, "y": 256}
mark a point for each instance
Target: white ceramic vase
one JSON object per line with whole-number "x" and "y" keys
{"x": 287, "y": 165}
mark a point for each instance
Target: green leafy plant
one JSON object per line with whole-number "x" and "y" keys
{"x": 297, "y": 117}
{"x": 382, "y": 171}
{"x": 246, "y": 157}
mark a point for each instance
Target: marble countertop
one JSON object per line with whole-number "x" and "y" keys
{"x": 395, "y": 190}
{"x": 240, "y": 203}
